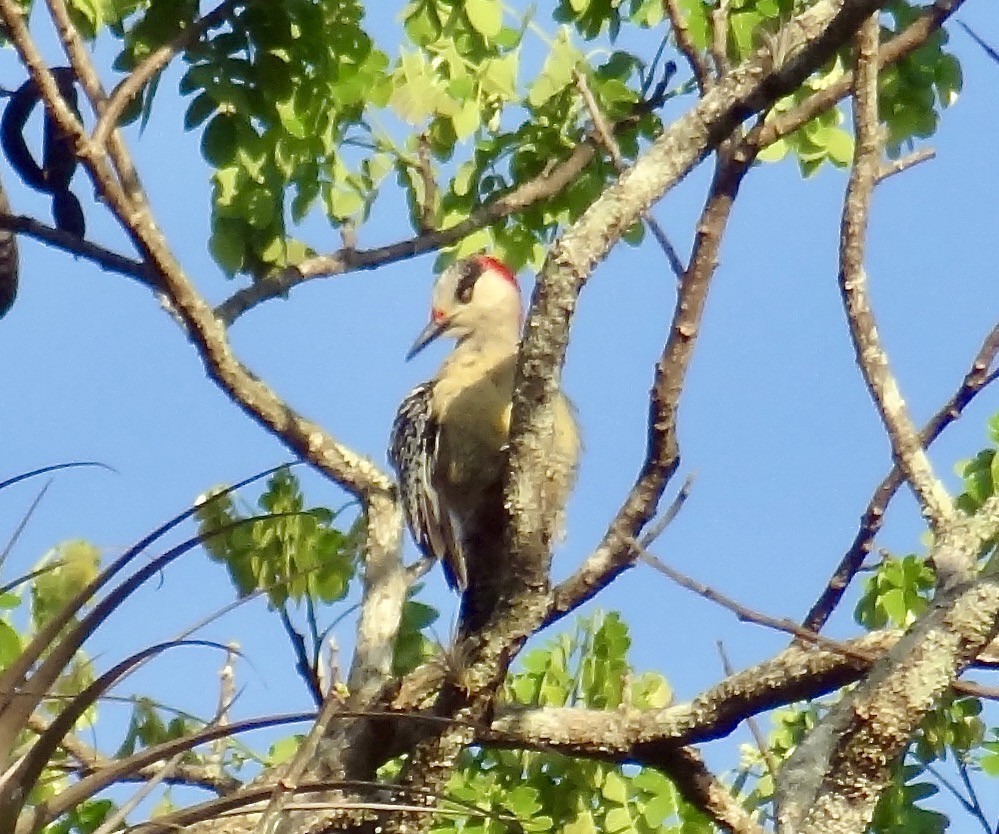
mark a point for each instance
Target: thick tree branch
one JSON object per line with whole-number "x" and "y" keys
{"x": 816, "y": 34}
{"x": 833, "y": 780}
{"x": 630, "y": 735}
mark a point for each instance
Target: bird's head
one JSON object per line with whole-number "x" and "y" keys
{"x": 474, "y": 298}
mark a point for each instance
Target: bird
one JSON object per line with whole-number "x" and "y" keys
{"x": 449, "y": 439}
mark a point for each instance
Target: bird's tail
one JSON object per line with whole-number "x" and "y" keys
{"x": 487, "y": 566}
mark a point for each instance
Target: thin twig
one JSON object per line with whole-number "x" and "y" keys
{"x": 907, "y": 448}
{"x": 953, "y": 790}
{"x": 988, "y": 48}
{"x": 215, "y": 759}
{"x": 19, "y": 529}
{"x": 754, "y": 727}
{"x": 613, "y": 554}
{"x": 428, "y": 206}
{"x": 130, "y": 86}
{"x": 685, "y": 43}
{"x": 897, "y": 166}
{"x": 672, "y": 511}
{"x": 605, "y": 135}
{"x": 976, "y": 806}
{"x": 741, "y": 611}
{"x": 350, "y": 259}
{"x": 90, "y": 761}
{"x": 719, "y": 37}
{"x": 118, "y": 815}
{"x": 106, "y": 259}
{"x": 303, "y": 663}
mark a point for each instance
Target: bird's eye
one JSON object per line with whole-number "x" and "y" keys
{"x": 470, "y": 272}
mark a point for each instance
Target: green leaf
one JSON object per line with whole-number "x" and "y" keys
{"x": 200, "y": 108}
{"x": 283, "y": 749}
{"x": 582, "y": 824}
{"x": 615, "y": 789}
{"x": 220, "y": 140}
{"x": 228, "y": 244}
{"x": 10, "y": 644}
{"x": 617, "y": 819}
{"x": 839, "y": 146}
{"x": 73, "y": 565}
{"x": 486, "y": 16}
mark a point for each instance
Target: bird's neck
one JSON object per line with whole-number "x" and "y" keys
{"x": 489, "y": 340}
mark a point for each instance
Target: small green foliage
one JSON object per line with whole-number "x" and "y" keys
{"x": 896, "y": 593}
{"x": 789, "y": 726}
{"x": 897, "y": 811}
{"x": 545, "y": 792}
{"x": 412, "y": 646}
{"x": 989, "y": 761}
{"x": 147, "y": 728}
{"x": 289, "y": 557}
{"x": 980, "y": 476}
{"x": 85, "y": 818}
{"x": 283, "y": 749}
{"x": 952, "y": 725}
{"x": 913, "y": 90}
{"x": 71, "y": 566}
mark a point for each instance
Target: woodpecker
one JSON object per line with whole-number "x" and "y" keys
{"x": 449, "y": 438}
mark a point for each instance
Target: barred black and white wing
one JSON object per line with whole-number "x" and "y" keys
{"x": 413, "y": 453}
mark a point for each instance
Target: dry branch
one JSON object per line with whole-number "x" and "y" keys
{"x": 834, "y": 778}
{"x": 975, "y": 380}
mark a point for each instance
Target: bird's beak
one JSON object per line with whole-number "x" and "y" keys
{"x": 427, "y": 335}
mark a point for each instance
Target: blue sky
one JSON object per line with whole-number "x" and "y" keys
{"x": 776, "y": 422}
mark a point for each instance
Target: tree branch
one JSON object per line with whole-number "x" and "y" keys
{"x": 614, "y": 554}
{"x": 833, "y": 779}
{"x": 685, "y": 43}
{"x": 153, "y": 63}
{"x": 907, "y": 449}
{"x": 904, "y": 43}
{"x": 349, "y": 259}
{"x": 975, "y": 380}
{"x": 106, "y": 259}
{"x": 89, "y": 761}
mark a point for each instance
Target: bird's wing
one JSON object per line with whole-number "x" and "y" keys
{"x": 412, "y": 452}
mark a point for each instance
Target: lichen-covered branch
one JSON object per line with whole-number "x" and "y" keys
{"x": 907, "y": 448}
{"x": 834, "y": 778}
